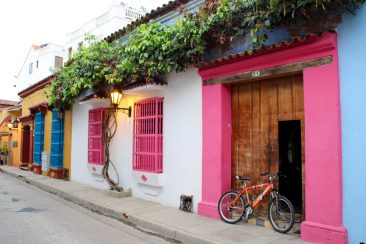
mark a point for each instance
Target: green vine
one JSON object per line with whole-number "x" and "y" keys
{"x": 154, "y": 49}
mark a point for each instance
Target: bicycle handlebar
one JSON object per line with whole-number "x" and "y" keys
{"x": 267, "y": 174}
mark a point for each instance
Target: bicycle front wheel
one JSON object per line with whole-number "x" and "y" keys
{"x": 231, "y": 211}
{"x": 281, "y": 214}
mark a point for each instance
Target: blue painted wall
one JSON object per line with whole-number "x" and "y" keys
{"x": 352, "y": 58}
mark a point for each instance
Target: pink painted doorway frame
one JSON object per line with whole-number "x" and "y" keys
{"x": 323, "y": 157}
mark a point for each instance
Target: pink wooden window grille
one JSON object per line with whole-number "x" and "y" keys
{"x": 148, "y": 135}
{"x": 95, "y": 136}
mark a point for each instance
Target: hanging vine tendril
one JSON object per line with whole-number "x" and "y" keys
{"x": 109, "y": 130}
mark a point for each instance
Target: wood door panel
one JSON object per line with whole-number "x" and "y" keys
{"x": 297, "y": 95}
{"x": 235, "y": 135}
{"x": 256, "y": 109}
{"x": 285, "y": 105}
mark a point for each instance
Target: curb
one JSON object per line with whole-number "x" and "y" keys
{"x": 156, "y": 229}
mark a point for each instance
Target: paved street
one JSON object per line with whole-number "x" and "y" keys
{"x": 30, "y": 215}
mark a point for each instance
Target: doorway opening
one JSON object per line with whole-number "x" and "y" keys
{"x": 26, "y": 140}
{"x": 290, "y": 162}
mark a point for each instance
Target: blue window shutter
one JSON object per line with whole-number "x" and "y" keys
{"x": 38, "y": 138}
{"x": 57, "y": 142}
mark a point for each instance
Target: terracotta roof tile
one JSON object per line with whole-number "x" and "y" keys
{"x": 7, "y": 102}
{"x": 297, "y": 40}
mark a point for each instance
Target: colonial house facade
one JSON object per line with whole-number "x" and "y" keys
{"x": 45, "y": 134}
{"x": 278, "y": 109}
{"x": 295, "y": 105}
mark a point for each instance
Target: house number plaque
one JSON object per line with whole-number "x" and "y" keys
{"x": 256, "y": 73}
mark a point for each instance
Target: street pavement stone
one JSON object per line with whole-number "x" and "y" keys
{"x": 163, "y": 221}
{"x": 30, "y": 215}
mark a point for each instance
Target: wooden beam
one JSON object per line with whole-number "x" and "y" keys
{"x": 270, "y": 72}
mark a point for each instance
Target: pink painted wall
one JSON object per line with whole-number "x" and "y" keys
{"x": 216, "y": 154}
{"x": 323, "y": 165}
{"x": 323, "y": 170}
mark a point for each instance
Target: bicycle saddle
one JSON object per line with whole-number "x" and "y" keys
{"x": 238, "y": 177}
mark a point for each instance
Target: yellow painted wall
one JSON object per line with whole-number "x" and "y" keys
{"x": 3, "y": 114}
{"x": 32, "y": 100}
{"x": 16, "y": 150}
{"x": 67, "y": 140}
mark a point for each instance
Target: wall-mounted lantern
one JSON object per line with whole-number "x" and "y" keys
{"x": 15, "y": 124}
{"x": 116, "y": 97}
{"x": 10, "y": 125}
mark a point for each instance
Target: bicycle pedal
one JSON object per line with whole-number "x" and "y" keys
{"x": 248, "y": 211}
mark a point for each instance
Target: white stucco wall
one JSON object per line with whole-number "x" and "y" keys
{"x": 182, "y": 136}
{"x": 117, "y": 17}
{"x": 46, "y": 62}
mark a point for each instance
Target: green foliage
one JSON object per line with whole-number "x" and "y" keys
{"x": 4, "y": 150}
{"x": 257, "y": 17}
{"x": 88, "y": 68}
{"x": 154, "y": 49}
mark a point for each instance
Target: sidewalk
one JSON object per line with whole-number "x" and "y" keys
{"x": 152, "y": 217}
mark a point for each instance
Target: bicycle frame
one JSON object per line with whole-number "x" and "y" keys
{"x": 268, "y": 188}
{"x": 282, "y": 218}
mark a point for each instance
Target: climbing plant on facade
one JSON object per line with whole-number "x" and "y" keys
{"x": 87, "y": 69}
{"x": 154, "y": 49}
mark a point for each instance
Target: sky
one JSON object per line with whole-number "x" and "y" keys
{"x": 27, "y": 22}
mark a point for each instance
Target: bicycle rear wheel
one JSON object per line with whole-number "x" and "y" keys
{"x": 281, "y": 214}
{"x": 229, "y": 211}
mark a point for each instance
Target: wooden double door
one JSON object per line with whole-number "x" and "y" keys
{"x": 268, "y": 133}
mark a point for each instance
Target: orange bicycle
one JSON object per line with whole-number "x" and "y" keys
{"x": 234, "y": 206}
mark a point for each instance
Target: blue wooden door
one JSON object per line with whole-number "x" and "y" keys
{"x": 57, "y": 142}
{"x": 38, "y": 138}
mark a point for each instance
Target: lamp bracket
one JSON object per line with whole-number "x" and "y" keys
{"x": 129, "y": 110}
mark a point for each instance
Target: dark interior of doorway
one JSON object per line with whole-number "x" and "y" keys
{"x": 290, "y": 162}
{"x": 26, "y": 143}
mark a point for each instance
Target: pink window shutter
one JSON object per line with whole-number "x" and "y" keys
{"x": 148, "y": 135}
{"x": 95, "y": 136}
